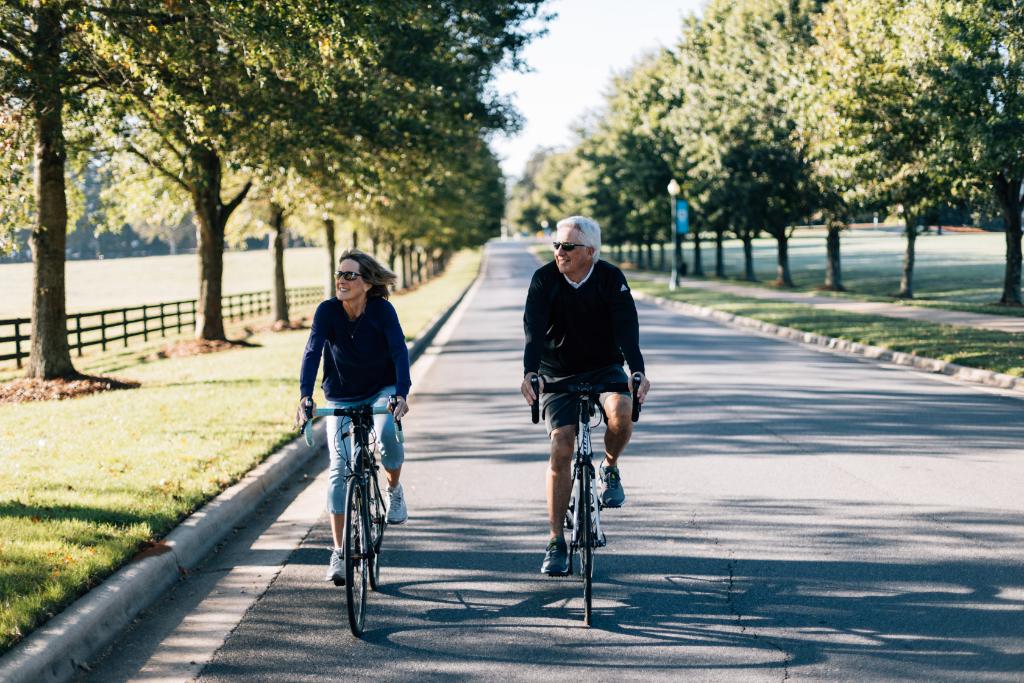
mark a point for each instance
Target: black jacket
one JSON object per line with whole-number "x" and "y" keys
{"x": 569, "y": 331}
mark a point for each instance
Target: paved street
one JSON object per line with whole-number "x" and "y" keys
{"x": 791, "y": 515}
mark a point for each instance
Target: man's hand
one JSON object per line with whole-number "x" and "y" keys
{"x": 305, "y": 411}
{"x": 645, "y": 386}
{"x": 399, "y": 408}
{"x": 527, "y": 387}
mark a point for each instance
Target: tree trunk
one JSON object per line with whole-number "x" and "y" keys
{"x": 650, "y": 254}
{"x": 404, "y": 280}
{"x": 392, "y": 252}
{"x": 1008, "y": 193}
{"x": 719, "y": 253}
{"x": 418, "y": 269}
{"x": 907, "y": 278}
{"x": 50, "y": 356}
{"x": 331, "y": 245}
{"x": 211, "y": 217}
{"x": 748, "y": 258}
{"x": 277, "y": 245}
{"x": 355, "y": 238}
{"x": 661, "y": 255}
{"x": 833, "y": 266}
{"x": 783, "y": 278}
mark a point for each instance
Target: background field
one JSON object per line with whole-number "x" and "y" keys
{"x": 111, "y": 283}
{"x": 952, "y": 269}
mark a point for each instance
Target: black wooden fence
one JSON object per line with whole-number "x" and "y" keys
{"x": 120, "y": 325}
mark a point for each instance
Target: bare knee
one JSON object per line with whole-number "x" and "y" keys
{"x": 619, "y": 410}
{"x": 563, "y": 440}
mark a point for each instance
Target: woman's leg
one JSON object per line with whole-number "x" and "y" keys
{"x": 339, "y": 445}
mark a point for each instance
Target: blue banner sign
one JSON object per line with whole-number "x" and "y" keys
{"x": 682, "y": 217}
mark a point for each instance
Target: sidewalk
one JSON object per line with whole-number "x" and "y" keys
{"x": 979, "y": 321}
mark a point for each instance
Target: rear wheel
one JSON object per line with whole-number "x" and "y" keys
{"x": 586, "y": 534}
{"x": 356, "y": 555}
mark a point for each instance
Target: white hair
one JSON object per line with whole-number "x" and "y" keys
{"x": 588, "y": 228}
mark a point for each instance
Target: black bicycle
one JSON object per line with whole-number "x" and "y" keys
{"x": 365, "y": 510}
{"x": 583, "y": 517}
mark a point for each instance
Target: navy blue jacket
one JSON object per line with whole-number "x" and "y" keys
{"x": 361, "y": 357}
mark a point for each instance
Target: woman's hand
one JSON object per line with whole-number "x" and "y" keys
{"x": 305, "y": 411}
{"x": 400, "y": 407}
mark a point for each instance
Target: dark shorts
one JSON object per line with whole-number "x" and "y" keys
{"x": 560, "y": 409}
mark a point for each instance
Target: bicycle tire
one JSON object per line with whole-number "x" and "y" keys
{"x": 376, "y": 524}
{"x": 586, "y": 544}
{"x": 355, "y": 556}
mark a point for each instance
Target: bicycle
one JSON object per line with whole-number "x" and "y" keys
{"x": 587, "y": 534}
{"x": 365, "y": 511}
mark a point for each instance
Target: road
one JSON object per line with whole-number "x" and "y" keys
{"x": 792, "y": 514}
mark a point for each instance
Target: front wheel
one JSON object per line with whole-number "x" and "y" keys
{"x": 357, "y": 554}
{"x": 586, "y": 536}
{"x": 376, "y": 524}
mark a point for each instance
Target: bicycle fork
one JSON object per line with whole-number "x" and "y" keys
{"x": 584, "y": 467}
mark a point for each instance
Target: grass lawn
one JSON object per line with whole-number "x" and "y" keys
{"x": 85, "y": 482}
{"x": 112, "y": 283}
{"x": 990, "y": 350}
{"x": 956, "y": 271}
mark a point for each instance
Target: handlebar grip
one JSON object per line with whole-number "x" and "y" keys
{"x": 636, "y": 403}
{"x": 535, "y": 407}
{"x": 392, "y": 402}
{"x": 307, "y": 432}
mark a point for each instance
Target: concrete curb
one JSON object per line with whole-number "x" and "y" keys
{"x": 933, "y": 365}
{"x": 56, "y": 650}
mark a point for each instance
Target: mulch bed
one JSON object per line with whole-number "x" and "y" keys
{"x": 195, "y": 347}
{"x": 25, "y": 390}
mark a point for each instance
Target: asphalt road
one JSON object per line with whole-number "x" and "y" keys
{"x": 791, "y": 515}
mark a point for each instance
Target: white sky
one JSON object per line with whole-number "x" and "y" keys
{"x": 586, "y": 44}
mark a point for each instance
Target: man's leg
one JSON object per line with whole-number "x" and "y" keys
{"x": 563, "y": 442}
{"x": 618, "y": 408}
{"x": 556, "y": 557}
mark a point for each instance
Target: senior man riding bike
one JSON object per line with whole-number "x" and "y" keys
{"x": 581, "y": 324}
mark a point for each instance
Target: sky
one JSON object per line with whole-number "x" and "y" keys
{"x": 572, "y": 66}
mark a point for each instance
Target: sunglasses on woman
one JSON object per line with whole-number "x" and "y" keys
{"x": 347, "y": 275}
{"x": 566, "y": 246}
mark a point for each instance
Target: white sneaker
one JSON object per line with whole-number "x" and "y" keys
{"x": 397, "y": 512}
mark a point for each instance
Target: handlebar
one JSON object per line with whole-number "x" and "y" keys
{"x": 307, "y": 426}
{"x": 584, "y": 388}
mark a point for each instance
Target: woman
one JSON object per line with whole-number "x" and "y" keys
{"x": 365, "y": 361}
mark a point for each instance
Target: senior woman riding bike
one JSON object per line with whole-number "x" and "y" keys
{"x": 365, "y": 360}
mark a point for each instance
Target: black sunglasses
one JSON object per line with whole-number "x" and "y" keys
{"x": 347, "y": 274}
{"x": 566, "y": 246}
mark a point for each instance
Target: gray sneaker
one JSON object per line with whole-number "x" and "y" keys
{"x": 556, "y": 558}
{"x": 336, "y": 570}
{"x": 612, "y": 495}
{"x": 397, "y": 512}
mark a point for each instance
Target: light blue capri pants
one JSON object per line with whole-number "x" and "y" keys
{"x": 392, "y": 452}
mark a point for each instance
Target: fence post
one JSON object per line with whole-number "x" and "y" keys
{"x": 163, "y": 329}
{"x": 145, "y": 322}
{"x": 78, "y": 333}
{"x": 17, "y": 342}
{"x": 124, "y": 325}
{"x": 103, "y": 330}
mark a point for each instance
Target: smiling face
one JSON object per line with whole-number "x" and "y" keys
{"x": 573, "y": 264}
{"x": 352, "y": 292}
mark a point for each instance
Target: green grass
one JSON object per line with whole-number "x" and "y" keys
{"x": 955, "y": 271}
{"x": 85, "y": 482}
{"x": 986, "y": 349}
{"x": 113, "y": 283}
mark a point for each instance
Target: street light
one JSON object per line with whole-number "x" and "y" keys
{"x": 677, "y": 251}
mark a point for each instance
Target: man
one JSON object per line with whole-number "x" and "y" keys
{"x": 581, "y": 324}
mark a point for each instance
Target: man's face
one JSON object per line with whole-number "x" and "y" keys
{"x": 576, "y": 261}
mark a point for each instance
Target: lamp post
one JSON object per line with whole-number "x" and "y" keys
{"x": 677, "y": 252}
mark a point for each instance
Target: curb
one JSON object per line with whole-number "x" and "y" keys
{"x": 64, "y": 644}
{"x": 932, "y": 365}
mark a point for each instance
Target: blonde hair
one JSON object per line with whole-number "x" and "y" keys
{"x": 373, "y": 272}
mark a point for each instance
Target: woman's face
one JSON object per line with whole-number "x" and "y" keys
{"x": 351, "y": 291}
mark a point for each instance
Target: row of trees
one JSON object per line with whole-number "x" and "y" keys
{"x": 318, "y": 114}
{"x": 777, "y": 113}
